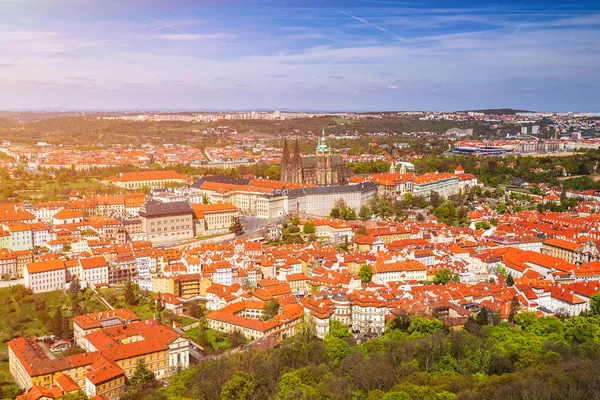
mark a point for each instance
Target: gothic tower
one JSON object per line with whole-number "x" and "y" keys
{"x": 297, "y": 163}
{"x": 286, "y": 163}
{"x": 324, "y": 164}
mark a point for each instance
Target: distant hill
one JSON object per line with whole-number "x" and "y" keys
{"x": 85, "y": 130}
{"x": 5, "y": 123}
{"x": 90, "y": 130}
{"x": 498, "y": 111}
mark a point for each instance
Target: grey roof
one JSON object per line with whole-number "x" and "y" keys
{"x": 221, "y": 179}
{"x": 363, "y": 187}
{"x": 311, "y": 161}
{"x": 155, "y": 208}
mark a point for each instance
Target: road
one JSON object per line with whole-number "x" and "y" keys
{"x": 253, "y": 224}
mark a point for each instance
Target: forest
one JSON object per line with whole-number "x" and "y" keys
{"x": 530, "y": 357}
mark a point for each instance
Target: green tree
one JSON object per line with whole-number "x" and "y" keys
{"x": 79, "y": 395}
{"x": 510, "y": 281}
{"x": 239, "y": 387}
{"x": 421, "y": 326}
{"x": 74, "y": 286}
{"x": 483, "y": 316}
{"x": 362, "y": 230}
{"x": 236, "y": 226}
{"x": 338, "y": 330}
{"x": 482, "y": 225}
{"x": 306, "y": 328}
{"x": 76, "y": 307}
{"x": 365, "y": 273}
{"x": 514, "y": 308}
{"x": 537, "y": 190}
{"x": 160, "y": 305}
{"x": 57, "y": 323}
{"x": 443, "y": 276}
{"x": 272, "y": 172}
{"x": 142, "y": 377}
{"x": 365, "y": 212}
{"x": 595, "y": 304}
{"x": 271, "y": 309}
{"x": 309, "y": 228}
{"x": 129, "y": 295}
{"x": 291, "y": 387}
{"x": 396, "y": 396}
{"x": 501, "y": 208}
{"x": 435, "y": 199}
{"x": 336, "y": 349}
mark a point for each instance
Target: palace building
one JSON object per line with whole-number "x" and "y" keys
{"x": 321, "y": 169}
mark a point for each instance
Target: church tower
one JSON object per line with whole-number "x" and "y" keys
{"x": 284, "y": 170}
{"x": 324, "y": 162}
{"x": 297, "y": 164}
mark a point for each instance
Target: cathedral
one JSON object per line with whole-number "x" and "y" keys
{"x": 322, "y": 169}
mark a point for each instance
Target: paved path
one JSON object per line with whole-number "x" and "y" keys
{"x": 102, "y": 299}
{"x": 15, "y": 282}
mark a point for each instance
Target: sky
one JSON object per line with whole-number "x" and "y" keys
{"x": 355, "y": 55}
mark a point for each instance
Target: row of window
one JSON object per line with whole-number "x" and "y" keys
{"x": 171, "y": 221}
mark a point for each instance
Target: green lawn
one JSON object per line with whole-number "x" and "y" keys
{"x": 143, "y": 308}
{"x": 194, "y": 333}
{"x": 18, "y": 317}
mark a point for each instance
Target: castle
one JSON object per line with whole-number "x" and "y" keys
{"x": 322, "y": 169}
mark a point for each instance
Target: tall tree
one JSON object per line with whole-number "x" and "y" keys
{"x": 142, "y": 378}
{"x": 57, "y": 323}
{"x": 75, "y": 286}
{"x": 129, "y": 295}
{"x": 160, "y": 305}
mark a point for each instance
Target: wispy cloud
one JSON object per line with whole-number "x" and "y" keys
{"x": 185, "y": 37}
{"x": 361, "y": 55}
{"x": 364, "y": 21}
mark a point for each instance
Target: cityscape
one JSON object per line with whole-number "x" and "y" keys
{"x": 248, "y": 200}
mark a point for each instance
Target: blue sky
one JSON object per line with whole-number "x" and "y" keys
{"x": 357, "y": 55}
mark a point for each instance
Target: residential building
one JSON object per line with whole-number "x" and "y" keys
{"x": 45, "y": 276}
{"x": 167, "y": 222}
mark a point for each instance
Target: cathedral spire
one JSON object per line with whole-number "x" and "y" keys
{"x": 297, "y": 153}
{"x": 285, "y": 157}
{"x": 321, "y": 144}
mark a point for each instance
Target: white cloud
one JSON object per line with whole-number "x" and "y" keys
{"x": 392, "y": 87}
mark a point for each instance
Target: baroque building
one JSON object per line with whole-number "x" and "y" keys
{"x": 321, "y": 169}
